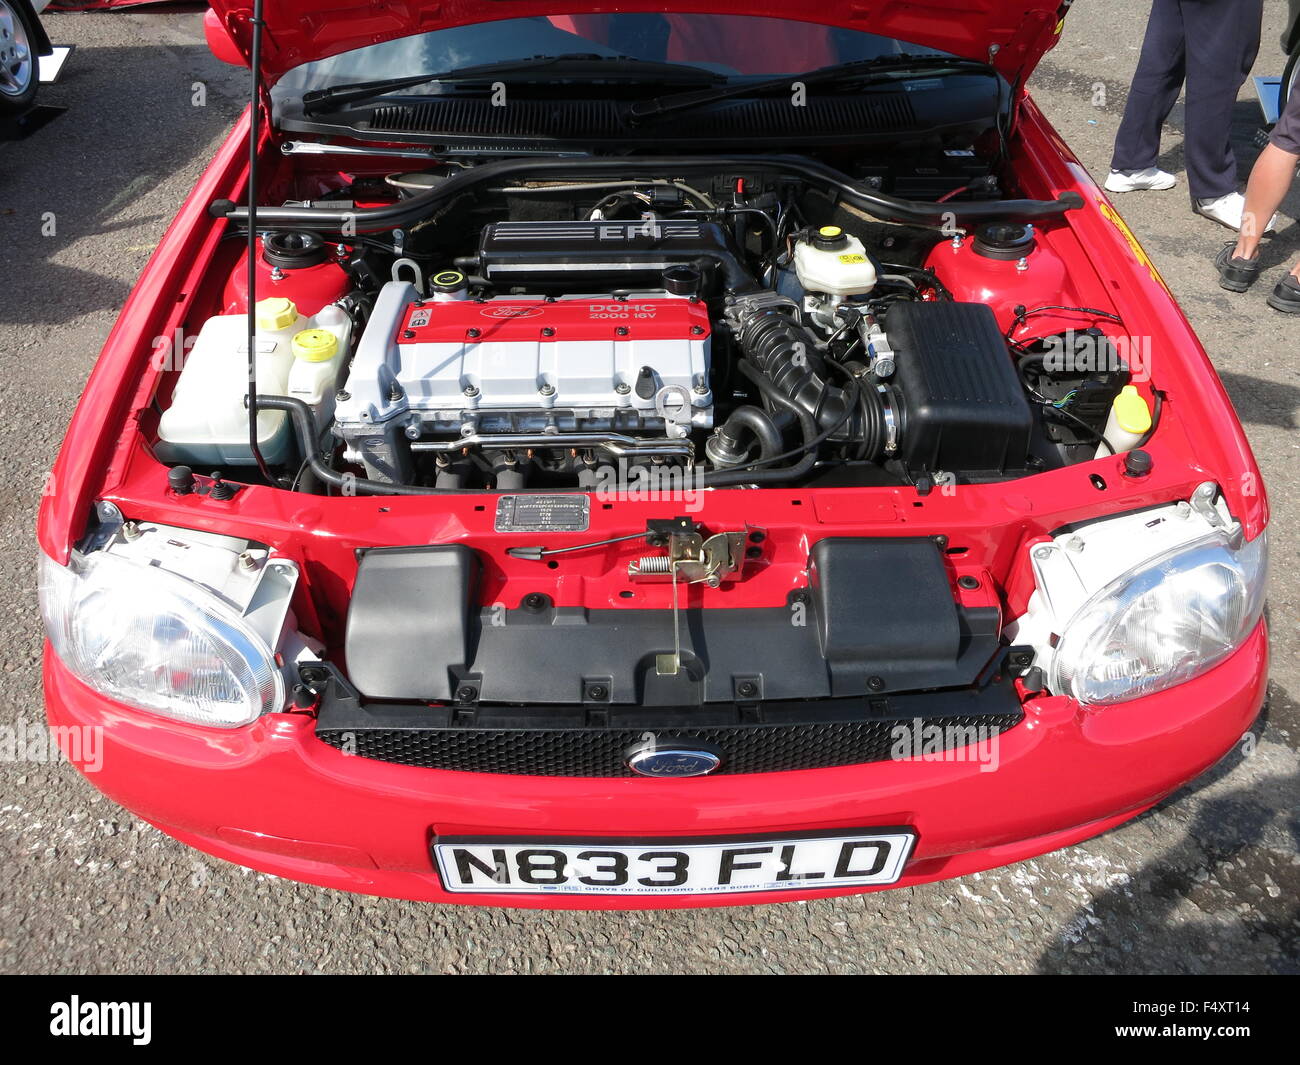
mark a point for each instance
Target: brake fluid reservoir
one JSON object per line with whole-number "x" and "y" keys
{"x": 207, "y": 422}
{"x": 834, "y": 262}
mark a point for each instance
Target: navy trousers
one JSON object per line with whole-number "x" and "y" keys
{"x": 1210, "y": 44}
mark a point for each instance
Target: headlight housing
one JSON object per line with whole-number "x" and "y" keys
{"x": 157, "y": 641}
{"x": 1171, "y": 619}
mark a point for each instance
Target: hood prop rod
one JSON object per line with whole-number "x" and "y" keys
{"x": 254, "y": 131}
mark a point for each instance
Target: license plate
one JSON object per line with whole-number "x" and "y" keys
{"x": 690, "y": 866}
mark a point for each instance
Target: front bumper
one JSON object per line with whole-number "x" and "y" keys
{"x": 275, "y": 798}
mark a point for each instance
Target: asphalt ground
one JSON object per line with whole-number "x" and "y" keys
{"x": 1207, "y": 882}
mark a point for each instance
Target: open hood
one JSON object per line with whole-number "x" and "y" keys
{"x": 1012, "y": 34}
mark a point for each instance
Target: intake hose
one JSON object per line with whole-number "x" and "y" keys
{"x": 727, "y": 446}
{"x": 787, "y": 354}
{"x": 808, "y": 457}
{"x": 303, "y": 420}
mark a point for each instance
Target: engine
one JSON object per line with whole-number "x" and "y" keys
{"x": 623, "y": 373}
{"x": 743, "y": 334}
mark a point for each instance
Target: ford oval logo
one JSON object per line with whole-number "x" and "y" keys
{"x": 672, "y": 759}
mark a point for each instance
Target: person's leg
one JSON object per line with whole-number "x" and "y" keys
{"x": 1238, "y": 264}
{"x": 1269, "y": 182}
{"x": 1155, "y": 87}
{"x": 1222, "y": 42}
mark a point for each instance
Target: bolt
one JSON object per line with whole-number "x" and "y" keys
{"x": 471, "y": 391}
{"x": 547, "y": 390}
{"x": 1074, "y": 544}
{"x": 697, "y": 330}
{"x": 408, "y": 334}
{"x": 876, "y": 684}
{"x": 747, "y": 689}
{"x": 412, "y": 431}
{"x": 622, "y": 330}
{"x": 1022, "y": 265}
{"x": 130, "y": 531}
{"x": 956, "y": 242}
{"x": 534, "y": 601}
{"x": 342, "y": 396}
{"x": 466, "y": 692}
{"x": 1043, "y": 553}
{"x": 247, "y": 560}
{"x": 969, "y": 583}
{"x": 277, "y": 274}
{"x": 472, "y": 333}
{"x": 622, "y": 388}
{"x": 597, "y": 692}
{"x": 701, "y": 390}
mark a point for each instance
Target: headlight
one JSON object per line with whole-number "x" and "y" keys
{"x": 157, "y": 641}
{"x": 1168, "y": 620}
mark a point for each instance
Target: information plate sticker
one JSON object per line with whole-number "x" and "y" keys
{"x": 543, "y": 513}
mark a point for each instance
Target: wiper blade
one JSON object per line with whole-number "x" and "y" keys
{"x": 574, "y": 64}
{"x": 850, "y": 71}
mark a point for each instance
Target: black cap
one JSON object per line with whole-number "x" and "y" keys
{"x": 1137, "y": 464}
{"x": 1004, "y": 240}
{"x": 682, "y": 280}
{"x": 180, "y": 479}
{"x": 293, "y": 249}
{"x": 447, "y": 281}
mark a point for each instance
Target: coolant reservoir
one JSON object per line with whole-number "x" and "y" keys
{"x": 206, "y": 424}
{"x": 318, "y": 356}
{"x": 834, "y": 262}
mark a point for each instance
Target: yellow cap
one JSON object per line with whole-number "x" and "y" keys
{"x": 315, "y": 345}
{"x": 275, "y": 313}
{"x": 830, "y": 231}
{"x": 1131, "y": 413}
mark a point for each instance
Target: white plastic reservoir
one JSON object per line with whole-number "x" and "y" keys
{"x": 207, "y": 422}
{"x": 834, "y": 262}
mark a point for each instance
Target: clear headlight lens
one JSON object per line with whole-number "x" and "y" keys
{"x": 157, "y": 641}
{"x": 1164, "y": 622}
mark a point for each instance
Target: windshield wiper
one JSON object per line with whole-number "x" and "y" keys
{"x": 850, "y": 71}
{"x": 584, "y": 66}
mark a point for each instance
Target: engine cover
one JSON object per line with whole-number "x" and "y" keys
{"x": 526, "y": 364}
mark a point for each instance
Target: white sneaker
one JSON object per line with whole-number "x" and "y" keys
{"x": 1227, "y": 211}
{"x": 1152, "y": 179}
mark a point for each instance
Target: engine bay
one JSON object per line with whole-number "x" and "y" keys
{"x": 494, "y": 327}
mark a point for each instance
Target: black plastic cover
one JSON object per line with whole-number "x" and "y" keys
{"x": 879, "y": 617}
{"x": 964, "y": 408}
{"x": 571, "y": 253}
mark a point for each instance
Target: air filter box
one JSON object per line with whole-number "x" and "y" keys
{"x": 963, "y": 408}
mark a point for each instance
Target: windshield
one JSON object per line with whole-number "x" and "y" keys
{"x": 732, "y": 45}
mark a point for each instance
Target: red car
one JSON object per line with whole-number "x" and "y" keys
{"x": 661, "y": 457}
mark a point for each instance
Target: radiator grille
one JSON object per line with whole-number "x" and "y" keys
{"x": 599, "y": 752}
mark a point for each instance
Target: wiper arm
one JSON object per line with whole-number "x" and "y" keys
{"x": 574, "y": 64}
{"x": 852, "y": 70}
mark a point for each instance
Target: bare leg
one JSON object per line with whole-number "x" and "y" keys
{"x": 1270, "y": 179}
